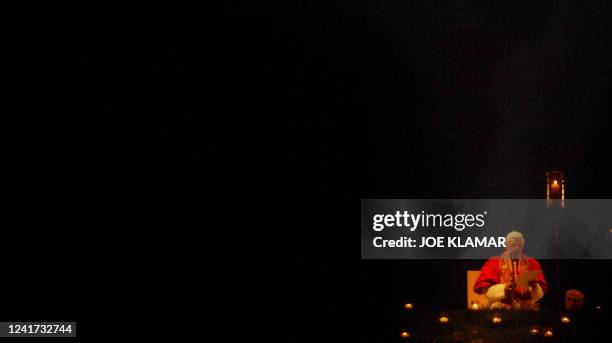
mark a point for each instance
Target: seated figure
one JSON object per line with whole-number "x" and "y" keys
{"x": 498, "y": 278}
{"x": 574, "y": 300}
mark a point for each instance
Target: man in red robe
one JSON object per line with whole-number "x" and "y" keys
{"x": 499, "y": 275}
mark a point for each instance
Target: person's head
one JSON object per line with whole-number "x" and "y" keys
{"x": 515, "y": 243}
{"x": 574, "y": 300}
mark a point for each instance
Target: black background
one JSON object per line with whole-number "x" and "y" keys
{"x": 411, "y": 100}
{"x": 136, "y": 129}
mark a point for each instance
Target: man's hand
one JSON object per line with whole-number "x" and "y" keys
{"x": 531, "y": 288}
{"x": 526, "y": 293}
{"x": 510, "y": 289}
{"x": 513, "y": 290}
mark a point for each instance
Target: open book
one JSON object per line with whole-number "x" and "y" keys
{"x": 526, "y": 276}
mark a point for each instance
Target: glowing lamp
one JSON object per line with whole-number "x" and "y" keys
{"x": 474, "y": 306}
{"x": 548, "y": 332}
{"x": 565, "y": 319}
{"x": 405, "y": 335}
{"x": 408, "y": 306}
{"x": 496, "y": 319}
{"x": 555, "y": 189}
{"x": 534, "y": 330}
{"x": 443, "y": 318}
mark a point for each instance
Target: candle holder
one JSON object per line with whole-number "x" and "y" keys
{"x": 496, "y": 319}
{"x": 555, "y": 189}
{"x": 474, "y": 306}
{"x": 565, "y": 319}
{"x": 443, "y": 319}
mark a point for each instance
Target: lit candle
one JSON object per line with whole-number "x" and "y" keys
{"x": 565, "y": 320}
{"x": 555, "y": 190}
{"x": 534, "y": 330}
{"x": 408, "y": 306}
{"x": 555, "y": 186}
{"x": 474, "y": 306}
{"x": 405, "y": 334}
{"x": 443, "y": 319}
{"x": 496, "y": 319}
{"x": 548, "y": 332}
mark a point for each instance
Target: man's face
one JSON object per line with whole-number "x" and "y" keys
{"x": 515, "y": 247}
{"x": 573, "y": 301}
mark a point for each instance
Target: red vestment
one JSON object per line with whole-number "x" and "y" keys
{"x": 498, "y": 270}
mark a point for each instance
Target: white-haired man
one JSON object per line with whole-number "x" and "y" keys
{"x": 497, "y": 280}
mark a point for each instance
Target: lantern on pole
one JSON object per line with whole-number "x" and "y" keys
{"x": 555, "y": 189}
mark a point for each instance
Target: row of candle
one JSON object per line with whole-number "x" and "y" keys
{"x": 496, "y": 318}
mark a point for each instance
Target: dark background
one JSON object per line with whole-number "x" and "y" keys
{"x": 399, "y": 99}
{"x": 131, "y": 120}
